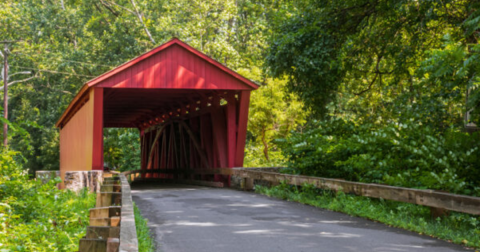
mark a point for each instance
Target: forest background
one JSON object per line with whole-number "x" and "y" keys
{"x": 367, "y": 90}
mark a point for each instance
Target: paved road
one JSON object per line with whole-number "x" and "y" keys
{"x": 199, "y": 219}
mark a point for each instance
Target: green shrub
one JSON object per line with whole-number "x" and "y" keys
{"x": 400, "y": 154}
{"x": 36, "y": 216}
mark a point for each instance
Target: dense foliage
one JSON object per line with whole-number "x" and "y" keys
{"x": 270, "y": 119}
{"x": 456, "y": 227}
{"x": 405, "y": 154}
{"x": 393, "y": 84}
{"x": 122, "y": 149}
{"x": 62, "y": 44}
{"x": 36, "y": 216}
{"x": 375, "y": 60}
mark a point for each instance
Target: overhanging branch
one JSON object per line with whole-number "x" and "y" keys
{"x": 377, "y": 73}
{"x": 26, "y": 72}
{"x": 18, "y": 81}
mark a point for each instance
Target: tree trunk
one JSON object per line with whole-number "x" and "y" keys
{"x": 5, "y": 96}
{"x": 265, "y": 144}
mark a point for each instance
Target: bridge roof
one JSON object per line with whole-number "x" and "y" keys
{"x": 171, "y": 74}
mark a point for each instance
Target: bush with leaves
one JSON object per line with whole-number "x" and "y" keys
{"x": 36, "y": 216}
{"x": 400, "y": 154}
{"x": 122, "y": 149}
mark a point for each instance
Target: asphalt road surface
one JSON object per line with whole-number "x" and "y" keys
{"x": 200, "y": 219}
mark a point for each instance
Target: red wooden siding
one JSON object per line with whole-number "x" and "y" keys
{"x": 174, "y": 68}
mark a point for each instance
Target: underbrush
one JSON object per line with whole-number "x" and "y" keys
{"x": 456, "y": 227}
{"x": 36, "y": 216}
{"x": 408, "y": 154}
{"x": 145, "y": 241}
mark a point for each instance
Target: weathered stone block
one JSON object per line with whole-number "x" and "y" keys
{"x": 113, "y": 244}
{"x": 76, "y": 180}
{"x": 236, "y": 182}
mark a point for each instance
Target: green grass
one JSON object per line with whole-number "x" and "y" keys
{"x": 145, "y": 241}
{"x": 456, "y": 227}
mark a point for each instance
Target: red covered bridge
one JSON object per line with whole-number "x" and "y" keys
{"x": 191, "y": 112}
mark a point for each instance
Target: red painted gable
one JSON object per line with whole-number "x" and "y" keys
{"x": 173, "y": 65}
{"x": 174, "y": 68}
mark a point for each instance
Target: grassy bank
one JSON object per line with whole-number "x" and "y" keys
{"x": 145, "y": 241}
{"x": 36, "y": 216}
{"x": 44, "y": 219}
{"x": 456, "y": 227}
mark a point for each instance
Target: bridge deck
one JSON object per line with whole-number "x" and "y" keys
{"x": 191, "y": 218}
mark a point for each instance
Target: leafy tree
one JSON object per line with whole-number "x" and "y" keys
{"x": 274, "y": 113}
{"x": 123, "y": 149}
{"x": 366, "y": 55}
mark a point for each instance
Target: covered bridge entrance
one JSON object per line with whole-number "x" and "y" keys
{"x": 190, "y": 110}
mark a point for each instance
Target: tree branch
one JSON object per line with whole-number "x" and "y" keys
{"x": 139, "y": 16}
{"x": 141, "y": 21}
{"x": 26, "y": 72}
{"x": 377, "y": 73}
{"x": 109, "y": 8}
{"x": 123, "y": 7}
{"x": 19, "y": 81}
{"x": 369, "y": 86}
